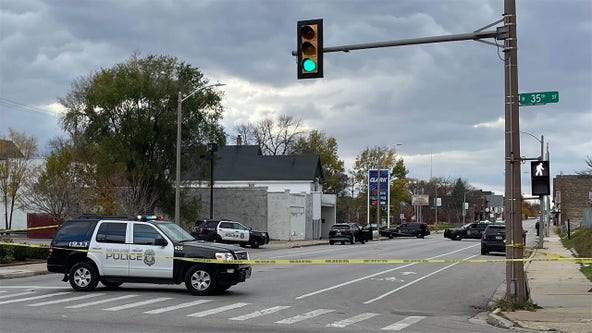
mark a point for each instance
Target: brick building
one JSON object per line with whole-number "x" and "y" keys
{"x": 572, "y": 195}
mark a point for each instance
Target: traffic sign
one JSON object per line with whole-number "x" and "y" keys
{"x": 539, "y": 98}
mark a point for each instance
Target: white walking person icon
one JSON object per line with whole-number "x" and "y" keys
{"x": 539, "y": 170}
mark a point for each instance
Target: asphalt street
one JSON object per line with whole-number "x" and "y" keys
{"x": 414, "y": 297}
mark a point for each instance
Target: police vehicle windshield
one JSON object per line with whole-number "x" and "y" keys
{"x": 175, "y": 232}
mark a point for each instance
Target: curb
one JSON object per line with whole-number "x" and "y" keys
{"x": 499, "y": 321}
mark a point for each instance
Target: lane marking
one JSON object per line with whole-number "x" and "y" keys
{"x": 178, "y": 306}
{"x": 352, "y": 320}
{"x": 415, "y": 281}
{"x": 376, "y": 274}
{"x": 100, "y": 302}
{"x": 305, "y": 316}
{"x": 28, "y": 292}
{"x": 67, "y": 299}
{"x": 136, "y": 304}
{"x": 218, "y": 310}
{"x": 34, "y": 297}
{"x": 402, "y": 324}
{"x": 260, "y": 313}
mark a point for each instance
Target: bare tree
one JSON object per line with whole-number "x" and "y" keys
{"x": 15, "y": 172}
{"x": 275, "y": 137}
{"x": 587, "y": 172}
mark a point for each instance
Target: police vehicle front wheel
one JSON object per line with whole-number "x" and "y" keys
{"x": 83, "y": 277}
{"x": 200, "y": 281}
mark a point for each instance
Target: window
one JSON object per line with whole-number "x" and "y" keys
{"x": 112, "y": 232}
{"x": 74, "y": 231}
{"x": 145, "y": 234}
{"x": 226, "y": 225}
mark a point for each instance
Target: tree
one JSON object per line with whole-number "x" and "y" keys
{"x": 63, "y": 188}
{"x": 15, "y": 171}
{"x": 275, "y": 137}
{"x": 123, "y": 119}
{"x": 326, "y": 147}
{"x": 587, "y": 172}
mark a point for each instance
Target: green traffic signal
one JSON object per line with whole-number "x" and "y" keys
{"x": 309, "y": 65}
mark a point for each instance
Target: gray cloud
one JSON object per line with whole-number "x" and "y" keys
{"x": 429, "y": 97}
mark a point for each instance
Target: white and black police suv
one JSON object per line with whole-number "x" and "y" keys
{"x": 113, "y": 250}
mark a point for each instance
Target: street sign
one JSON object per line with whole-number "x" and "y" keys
{"x": 539, "y": 98}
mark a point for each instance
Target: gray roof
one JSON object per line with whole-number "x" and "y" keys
{"x": 245, "y": 163}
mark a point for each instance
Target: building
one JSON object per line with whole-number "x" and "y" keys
{"x": 572, "y": 197}
{"x": 280, "y": 194}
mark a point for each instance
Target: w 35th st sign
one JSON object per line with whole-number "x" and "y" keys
{"x": 378, "y": 183}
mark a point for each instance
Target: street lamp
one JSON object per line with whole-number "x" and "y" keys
{"x": 180, "y": 100}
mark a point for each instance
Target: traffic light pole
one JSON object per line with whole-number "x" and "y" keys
{"x": 515, "y": 278}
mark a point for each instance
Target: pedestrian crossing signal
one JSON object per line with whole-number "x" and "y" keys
{"x": 539, "y": 177}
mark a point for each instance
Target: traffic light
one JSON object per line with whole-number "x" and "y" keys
{"x": 310, "y": 49}
{"x": 539, "y": 177}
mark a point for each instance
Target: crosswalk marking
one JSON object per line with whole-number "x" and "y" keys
{"x": 136, "y": 304}
{"x": 305, "y": 316}
{"x": 352, "y": 320}
{"x": 260, "y": 313}
{"x": 398, "y": 326}
{"x": 100, "y": 302}
{"x": 218, "y": 310}
{"x": 401, "y": 324}
{"x": 34, "y": 297}
{"x": 178, "y": 306}
{"x": 64, "y": 300}
{"x": 28, "y": 292}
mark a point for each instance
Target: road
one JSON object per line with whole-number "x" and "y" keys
{"x": 411, "y": 297}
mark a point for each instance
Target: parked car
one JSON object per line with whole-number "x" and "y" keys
{"x": 407, "y": 229}
{"x": 469, "y": 230}
{"x": 493, "y": 239}
{"x": 346, "y": 232}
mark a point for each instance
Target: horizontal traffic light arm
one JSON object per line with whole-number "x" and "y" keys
{"x": 412, "y": 41}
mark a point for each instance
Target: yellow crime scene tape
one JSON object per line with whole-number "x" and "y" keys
{"x": 549, "y": 256}
{"x": 327, "y": 261}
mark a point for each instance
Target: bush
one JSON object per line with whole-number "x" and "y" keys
{"x": 10, "y": 253}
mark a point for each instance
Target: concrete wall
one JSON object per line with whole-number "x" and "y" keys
{"x": 247, "y": 205}
{"x": 287, "y": 215}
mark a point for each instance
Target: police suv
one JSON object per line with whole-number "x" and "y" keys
{"x": 113, "y": 250}
{"x": 230, "y": 232}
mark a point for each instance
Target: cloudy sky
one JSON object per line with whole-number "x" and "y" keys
{"x": 444, "y": 103}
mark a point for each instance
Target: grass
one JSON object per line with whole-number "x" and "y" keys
{"x": 581, "y": 241}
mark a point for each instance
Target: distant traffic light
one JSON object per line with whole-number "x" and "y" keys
{"x": 539, "y": 177}
{"x": 310, "y": 49}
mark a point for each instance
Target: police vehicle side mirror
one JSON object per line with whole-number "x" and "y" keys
{"x": 160, "y": 242}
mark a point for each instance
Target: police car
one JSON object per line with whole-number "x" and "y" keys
{"x": 229, "y": 232}
{"x": 113, "y": 250}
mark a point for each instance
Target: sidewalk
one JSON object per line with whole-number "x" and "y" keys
{"x": 563, "y": 292}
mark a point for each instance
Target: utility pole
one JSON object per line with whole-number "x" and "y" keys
{"x": 515, "y": 282}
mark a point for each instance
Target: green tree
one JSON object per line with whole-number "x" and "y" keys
{"x": 124, "y": 118}
{"x": 326, "y": 147}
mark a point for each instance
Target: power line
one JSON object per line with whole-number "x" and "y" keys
{"x": 4, "y": 102}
